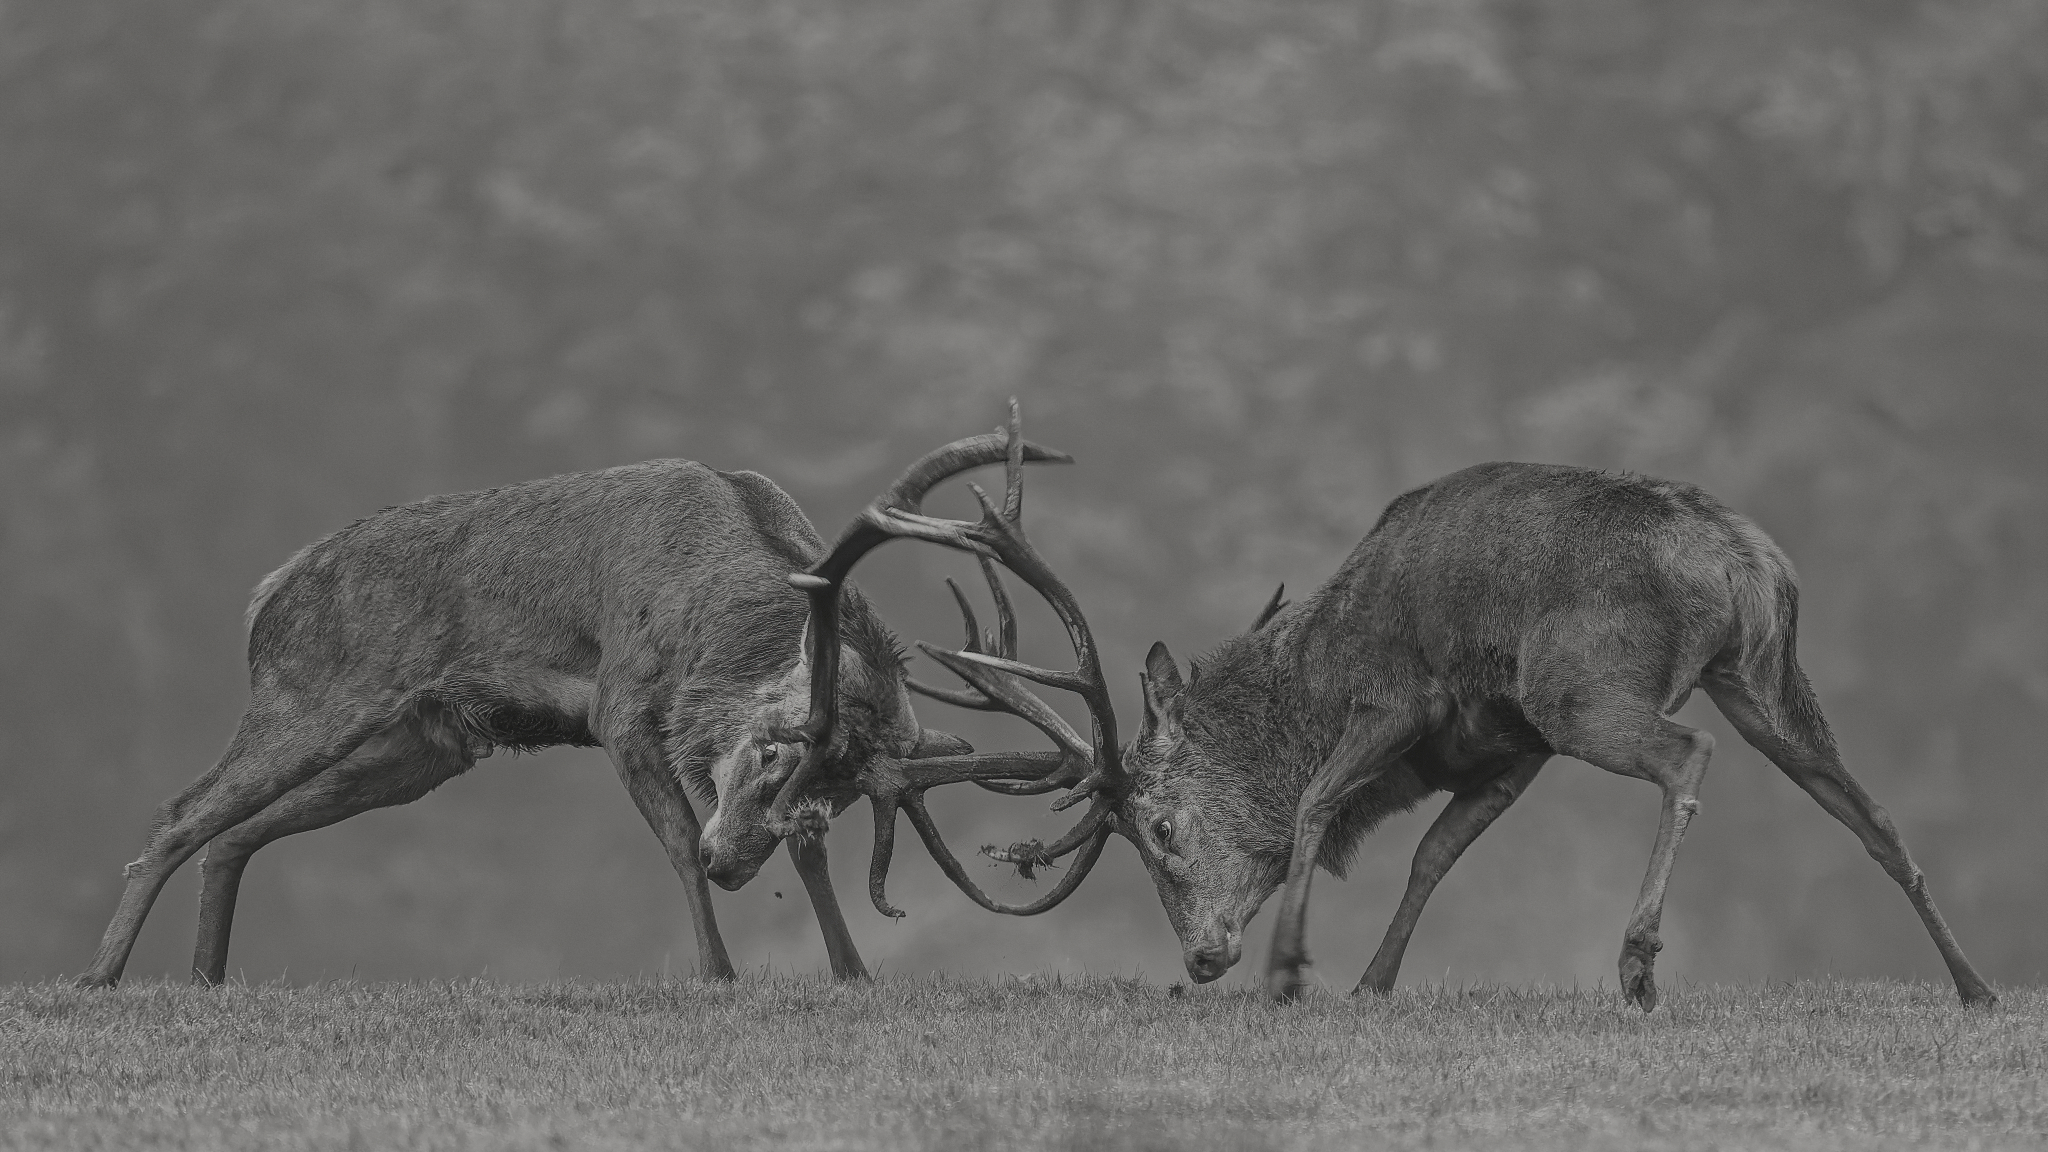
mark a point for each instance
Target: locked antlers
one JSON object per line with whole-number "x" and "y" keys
{"x": 995, "y": 679}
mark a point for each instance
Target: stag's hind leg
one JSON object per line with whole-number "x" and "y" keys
{"x": 397, "y": 766}
{"x": 1796, "y": 738}
{"x": 1614, "y": 725}
{"x": 282, "y": 742}
{"x": 1456, "y": 827}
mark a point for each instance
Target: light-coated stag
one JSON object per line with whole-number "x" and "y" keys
{"x": 1490, "y": 620}
{"x": 643, "y": 608}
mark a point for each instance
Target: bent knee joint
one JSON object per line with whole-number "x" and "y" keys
{"x": 221, "y": 857}
{"x": 1902, "y": 869}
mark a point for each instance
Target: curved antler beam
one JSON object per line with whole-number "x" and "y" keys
{"x": 1033, "y": 853}
{"x": 1091, "y": 849}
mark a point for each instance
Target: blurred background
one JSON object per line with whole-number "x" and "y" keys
{"x": 267, "y": 266}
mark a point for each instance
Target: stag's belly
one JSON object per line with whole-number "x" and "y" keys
{"x": 520, "y": 709}
{"x": 1481, "y": 739}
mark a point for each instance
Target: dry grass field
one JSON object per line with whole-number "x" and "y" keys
{"x": 1013, "y": 1063}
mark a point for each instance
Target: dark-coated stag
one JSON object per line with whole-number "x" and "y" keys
{"x": 643, "y": 608}
{"x": 1490, "y": 620}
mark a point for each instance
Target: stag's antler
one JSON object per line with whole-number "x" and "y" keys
{"x": 995, "y": 679}
{"x": 896, "y": 513}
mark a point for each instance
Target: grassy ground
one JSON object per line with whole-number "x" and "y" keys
{"x": 1031, "y": 1063}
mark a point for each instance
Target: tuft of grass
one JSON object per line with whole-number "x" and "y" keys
{"x": 1034, "y": 1062}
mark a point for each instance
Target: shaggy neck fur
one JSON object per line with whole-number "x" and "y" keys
{"x": 1266, "y": 710}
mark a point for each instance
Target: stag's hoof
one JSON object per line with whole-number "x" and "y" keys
{"x": 1638, "y": 985}
{"x": 1978, "y": 995}
{"x": 1286, "y": 982}
{"x": 1378, "y": 979}
{"x": 91, "y": 981}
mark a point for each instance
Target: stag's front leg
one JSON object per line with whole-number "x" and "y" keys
{"x": 1462, "y": 820}
{"x": 808, "y": 854}
{"x": 636, "y": 752}
{"x": 1372, "y": 741}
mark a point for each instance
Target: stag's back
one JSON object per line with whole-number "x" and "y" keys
{"x": 1461, "y": 573}
{"x": 666, "y": 560}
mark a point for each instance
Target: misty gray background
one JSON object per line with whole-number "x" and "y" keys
{"x": 269, "y": 265}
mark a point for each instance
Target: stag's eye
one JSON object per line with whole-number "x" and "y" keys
{"x": 1163, "y": 832}
{"x": 769, "y": 753}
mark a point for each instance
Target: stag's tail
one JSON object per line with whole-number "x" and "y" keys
{"x": 269, "y": 585}
{"x": 1758, "y": 685}
{"x": 1764, "y": 659}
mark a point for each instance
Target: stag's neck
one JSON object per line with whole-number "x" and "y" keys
{"x": 1270, "y": 706}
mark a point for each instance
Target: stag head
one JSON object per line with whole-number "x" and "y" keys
{"x": 1190, "y": 817}
{"x": 877, "y": 725}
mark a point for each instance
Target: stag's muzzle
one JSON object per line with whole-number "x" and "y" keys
{"x": 1213, "y": 955}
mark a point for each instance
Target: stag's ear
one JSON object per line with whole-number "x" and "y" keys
{"x": 1162, "y": 671}
{"x": 1163, "y": 693}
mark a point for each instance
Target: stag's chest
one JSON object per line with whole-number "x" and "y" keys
{"x": 1480, "y": 739}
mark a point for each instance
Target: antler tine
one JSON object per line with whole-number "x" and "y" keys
{"x": 956, "y": 698}
{"x": 1272, "y": 608}
{"x": 1004, "y": 641}
{"x": 1006, "y": 613}
{"x": 1013, "y": 467}
{"x": 967, "y": 619}
{"x": 1026, "y": 853}
{"x": 1013, "y": 697}
{"x": 1023, "y": 787}
{"x": 878, "y": 864}
{"x": 973, "y": 699}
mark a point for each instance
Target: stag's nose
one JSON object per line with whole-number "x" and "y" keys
{"x": 724, "y": 870}
{"x": 1205, "y": 962}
